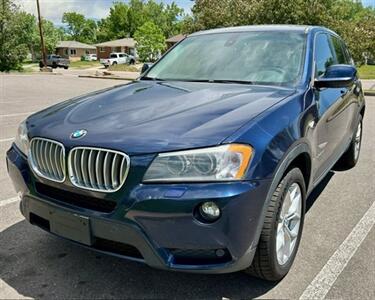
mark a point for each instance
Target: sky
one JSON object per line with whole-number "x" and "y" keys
{"x": 96, "y": 9}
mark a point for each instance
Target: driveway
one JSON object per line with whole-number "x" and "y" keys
{"x": 336, "y": 258}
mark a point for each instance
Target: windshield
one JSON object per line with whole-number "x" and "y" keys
{"x": 254, "y": 57}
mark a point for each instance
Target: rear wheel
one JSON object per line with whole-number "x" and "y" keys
{"x": 282, "y": 229}
{"x": 114, "y": 63}
{"x": 350, "y": 158}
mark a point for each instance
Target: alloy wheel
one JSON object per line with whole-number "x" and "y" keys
{"x": 357, "y": 141}
{"x": 288, "y": 225}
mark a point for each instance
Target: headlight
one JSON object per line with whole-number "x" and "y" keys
{"x": 223, "y": 163}
{"x": 22, "y": 139}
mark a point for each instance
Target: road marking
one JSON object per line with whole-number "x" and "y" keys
{"x": 18, "y": 114}
{"x": 327, "y": 276}
{"x": 6, "y": 140}
{"x": 7, "y": 292}
{"x": 8, "y": 201}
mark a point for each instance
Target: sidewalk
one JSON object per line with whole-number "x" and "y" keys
{"x": 368, "y": 84}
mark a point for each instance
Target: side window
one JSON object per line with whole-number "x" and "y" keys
{"x": 121, "y": 55}
{"x": 324, "y": 56}
{"x": 339, "y": 50}
{"x": 348, "y": 55}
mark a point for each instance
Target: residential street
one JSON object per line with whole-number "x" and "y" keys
{"x": 337, "y": 251}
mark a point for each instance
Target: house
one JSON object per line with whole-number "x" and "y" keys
{"x": 74, "y": 50}
{"x": 174, "y": 40}
{"x": 126, "y": 45}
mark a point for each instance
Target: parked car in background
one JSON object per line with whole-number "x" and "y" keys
{"x": 91, "y": 57}
{"x": 117, "y": 59}
{"x": 56, "y": 61}
{"x": 204, "y": 163}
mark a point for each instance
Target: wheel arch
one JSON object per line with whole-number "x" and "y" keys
{"x": 299, "y": 156}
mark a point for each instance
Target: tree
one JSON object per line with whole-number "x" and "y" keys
{"x": 348, "y": 18}
{"x": 150, "y": 41}
{"x": 79, "y": 28}
{"x": 12, "y": 51}
{"x": 29, "y": 34}
{"x": 125, "y": 18}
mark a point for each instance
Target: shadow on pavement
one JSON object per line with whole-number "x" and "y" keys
{"x": 314, "y": 195}
{"x": 39, "y": 265}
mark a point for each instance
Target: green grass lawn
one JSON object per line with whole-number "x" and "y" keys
{"x": 29, "y": 67}
{"x": 84, "y": 64}
{"x": 366, "y": 72}
{"x": 123, "y": 67}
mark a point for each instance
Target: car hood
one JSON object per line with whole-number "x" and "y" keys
{"x": 149, "y": 117}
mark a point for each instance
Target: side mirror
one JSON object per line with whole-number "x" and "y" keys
{"x": 145, "y": 67}
{"x": 337, "y": 76}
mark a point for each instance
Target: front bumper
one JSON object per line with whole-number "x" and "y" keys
{"x": 159, "y": 227}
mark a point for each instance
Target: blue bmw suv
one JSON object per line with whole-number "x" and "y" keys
{"x": 204, "y": 163}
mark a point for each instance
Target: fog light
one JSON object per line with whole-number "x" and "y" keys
{"x": 209, "y": 211}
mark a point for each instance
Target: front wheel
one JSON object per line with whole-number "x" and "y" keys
{"x": 282, "y": 229}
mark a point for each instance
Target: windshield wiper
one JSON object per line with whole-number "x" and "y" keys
{"x": 152, "y": 78}
{"x": 231, "y": 81}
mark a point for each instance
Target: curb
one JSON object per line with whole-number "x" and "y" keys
{"x": 369, "y": 93}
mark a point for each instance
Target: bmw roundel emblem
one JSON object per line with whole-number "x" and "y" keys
{"x": 78, "y": 134}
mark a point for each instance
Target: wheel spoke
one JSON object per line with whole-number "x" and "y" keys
{"x": 292, "y": 233}
{"x": 289, "y": 223}
{"x": 287, "y": 245}
{"x": 280, "y": 237}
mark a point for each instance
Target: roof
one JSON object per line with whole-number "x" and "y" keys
{"x": 126, "y": 42}
{"x": 74, "y": 44}
{"x": 301, "y": 28}
{"x": 176, "y": 38}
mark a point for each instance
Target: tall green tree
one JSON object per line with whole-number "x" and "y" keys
{"x": 348, "y": 18}
{"x": 125, "y": 18}
{"x": 29, "y": 34}
{"x": 12, "y": 51}
{"x": 150, "y": 41}
{"x": 79, "y": 28}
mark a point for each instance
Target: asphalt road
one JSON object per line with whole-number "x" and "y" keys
{"x": 336, "y": 258}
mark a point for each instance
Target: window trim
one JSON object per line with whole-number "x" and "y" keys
{"x": 313, "y": 77}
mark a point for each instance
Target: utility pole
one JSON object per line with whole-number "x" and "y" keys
{"x": 44, "y": 54}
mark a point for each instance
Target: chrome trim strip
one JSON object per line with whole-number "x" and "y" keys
{"x": 37, "y": 159}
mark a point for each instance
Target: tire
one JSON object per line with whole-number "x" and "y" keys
{"x": 350, "y": 158}
{"x": 54, "y": 65}
{"x": 66, "y": 68}
{"x": 114, "y": 63}
{"x": 267, "y": 264}
{"x": 132, "y": 62}
{"x": 41, "y": 65}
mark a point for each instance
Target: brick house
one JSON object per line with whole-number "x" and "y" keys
{"x": 174, "y": 40}
{"x": 126, "y": 45}
{"x": 74, "y": 50}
